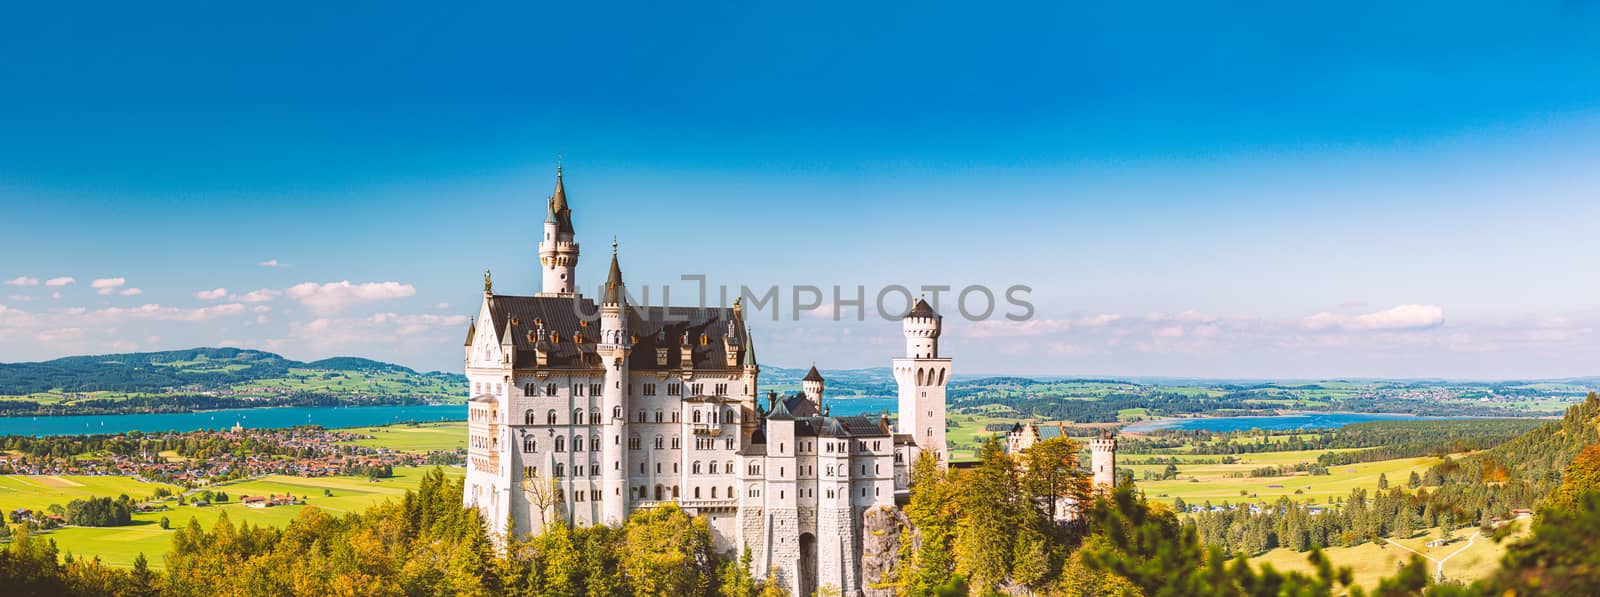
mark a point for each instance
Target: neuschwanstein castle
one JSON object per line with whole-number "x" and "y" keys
{"x": 585, "y": 418}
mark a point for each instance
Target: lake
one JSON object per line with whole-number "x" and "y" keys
{"x": 1271, "y": 423}
{"x": 327, "y": 416}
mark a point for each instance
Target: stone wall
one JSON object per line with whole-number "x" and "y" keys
{"x": 881, "y": 528}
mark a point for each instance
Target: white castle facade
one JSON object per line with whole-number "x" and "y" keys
{"x": 583, "y": 412}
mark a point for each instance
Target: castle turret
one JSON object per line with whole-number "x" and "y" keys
{"x": 922, "y": 376}
{"x": 812, "y": 385}
{"x": 613, "y": 350}
{"x": 1103, "y": 461}
{"x": 558, "y": 252}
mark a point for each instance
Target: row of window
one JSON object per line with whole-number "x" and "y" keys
{"x": 595, "y": 389}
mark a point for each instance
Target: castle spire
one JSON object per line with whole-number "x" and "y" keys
{"x": 559, "y": 214}
{"x": 614, "y": 292}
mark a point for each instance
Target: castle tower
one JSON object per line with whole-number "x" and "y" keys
{"x": 613, "y": 349}
{"x": 1103, "y": 461}
{"x": 922, "y": 376}
{"x": 812, "y": 386}
{"x": 558, "y": 253}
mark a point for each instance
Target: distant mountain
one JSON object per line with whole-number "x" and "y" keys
{"x": 193, "y": 370}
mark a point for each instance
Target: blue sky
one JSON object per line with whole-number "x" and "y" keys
{"x": 1190, "y": 190}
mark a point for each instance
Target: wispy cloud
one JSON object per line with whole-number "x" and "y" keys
{"x": 259, "y": 296}
{"x": 1403, "y": 317}
{"x": 23, "y": 281}
{"x": 60, "y": 281}
{"x": 212, "y": 295}
{"x": 107, "y": 285}
{"x": 272, "y": 263}
{"x": 131, "y": 292}
{"x": 337, "y": 295}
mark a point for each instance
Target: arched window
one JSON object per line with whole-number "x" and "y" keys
{"x": 727, "y": 415}
{"x": 713, "y": 493}
{"x": 658, "y": 415}
{"x": 528, "y": 390}
{"x": 529, "y": 444}
{"x": 616, "y": 412}
{"x": 713, "y": 468}
{"x": 697, "y": 493}
{"x": 527, "y": 418}
{"x": 695, "y": 467}
{"x": 661, "y": 442}
{"x": 550, "y": 417}
{"x": 561, "y": 443}
{"x": 697, "y": 416}
{"x": 577, "y": 416}
{"x": 577, "y": 443}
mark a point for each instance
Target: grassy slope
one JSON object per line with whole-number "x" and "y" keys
{"x": 1370, "y": 562}
{"x": 423, "y": 437}
{"x": 1200, "y": 482}
{"x": 36, "y": 492}
{"x": 119, "y": 546}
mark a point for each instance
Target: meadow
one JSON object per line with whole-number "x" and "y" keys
{"x": 415, "y": 437}
{"x": 119, "y": 546}
{"x": 1464, "y": 559}
{"x": 1198, "y": 483}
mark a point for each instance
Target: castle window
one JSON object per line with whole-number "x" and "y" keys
{"x": 529, "y": 444}
{"x": 561, "y": 444}
{"x": 641, "y": 468}
{"x": 713, "y": 493}
{"x": 527, "y": 418}
{"x": 727, "y": 415}
{"x": 649, "y": 389}
{"x": 697, "y": 389}
{"x": 695, "y": 467}
{"x": 697, "y": 416}
{"x": 674, "y": 416}
{"x": 577, "y": 390}
{"x": 658, "y": 415}
{"x": 633, "y": 443}
{"x": 550, "y": 389}
{"x": 658, "y": 468}
{"x": 528, "y": 390}
{"x": 729, "y": 443}
{"x": 595, "y": 389}
{"x": 594, "y": 470}
{"x": 550, "y": 417}
{"x": 661, "y": 442}
{"x": 830, "y": 471}
{"x": 577, "y": 443}
{"x": 674, "y": 442}
{"x": 594, "y": 417}
{"x": 641, "y": 416}
{"x": 697, "y": 493}
{"x": 561, "y": 469}
{"x": 674, "y": 389}
{"x": 713, "y": 469}
{"x": 722, "y": 389}
{"x": 577, "y": 416}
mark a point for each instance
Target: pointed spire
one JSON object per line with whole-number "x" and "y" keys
{"x": 505, "y": 338}
{"x": 559, "y": 213}
{"x": 614, "y": 292}
{"x": 472, "y": 331}
{"x": 813, "y": 374}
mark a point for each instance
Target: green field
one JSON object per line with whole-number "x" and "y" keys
{"x": 1465, "y": 559}
{"x": 118, "y": 546}
{"x": 422, "y": 437}
{"x": 38, "y": 492}
{"x": 1198, "y": 483}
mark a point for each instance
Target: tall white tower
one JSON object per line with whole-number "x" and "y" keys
{"x": 1103, "y": 461}
{"x": 613, "y": 349}
{"x": 558, "y": 253}
{"x": 922, "y": 376}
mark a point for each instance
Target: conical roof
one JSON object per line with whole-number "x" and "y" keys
{"x": 813, "y": 374}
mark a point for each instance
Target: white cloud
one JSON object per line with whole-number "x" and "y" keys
{"x": 131, "y": 292}
{"x": 60, "y": 281}
{"x": 23, "y": 281}
{"x": 107, "y": 285}
{"x": 1403, "y": 317}
{"x": 376, "y": 330}
{"x": 272, "y": 263}
{"x": 259, "y": 296}
{"x": 59, "y": 335}
{"x": 336, "y": 295}
{"x": 211, "y": 295}
{"x": 261, "y": 308}
{"x": 164, "y": 313}
{"x": 442, "y": 306}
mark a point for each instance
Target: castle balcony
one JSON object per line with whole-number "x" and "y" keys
{"x": 716, "y": 504}
{"x": 706, "y": 429}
